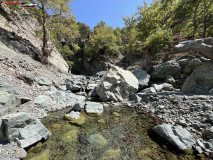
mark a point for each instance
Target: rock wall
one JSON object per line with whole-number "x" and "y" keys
{"x": 22, "y": 27}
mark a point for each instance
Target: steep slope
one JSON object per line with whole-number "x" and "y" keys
{"x": 22, "y": 25}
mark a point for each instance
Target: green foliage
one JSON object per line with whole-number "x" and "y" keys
{"x": 158, "y": 40}
{"x": 104, "y": 41}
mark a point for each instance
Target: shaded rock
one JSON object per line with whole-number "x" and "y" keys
{"x": 135, "y": 97}
{"x": 170, "y": 80}
{"x": 2, "y": 130}
{"x": 192, "y": 65}
{"x": 97, "y": 140}
{"x": 209, "y": 133}
{"x": 117, "y": 85}
{"x": 200, "y": 81}
{"x": 163, "y": 70}
{"x": 9, "y": 100}
{"x": 94, "y": 108}
{"x": 177, "y": 136}
{"x": 24, "y": 100}
{"x": 93, "y": 93}
{"x": 78, "y": 106}
{"x": 142, "y": 77}
{"x": 24, "y": 128}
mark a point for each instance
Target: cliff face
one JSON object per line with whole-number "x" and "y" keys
{"x": 18, "y": 30}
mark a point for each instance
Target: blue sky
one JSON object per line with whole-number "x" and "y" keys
{"x": 92, "y": 12}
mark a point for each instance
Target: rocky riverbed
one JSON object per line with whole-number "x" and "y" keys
{"x": 29, "y": 87}
{"x": 119, "y": 133}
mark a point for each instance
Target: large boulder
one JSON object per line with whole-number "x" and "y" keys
{"x": 142, "y": 77}
{"x": 9, "y": 100}
{"x": 161, "y": 71}
{"x": 200, "y": 81}
{"x": 205, "y": 46}
{"x": 175, "y": 135}
{"x": 117, "y": 85}
{"x": 192, "y": 65}
{"x": 24, "y": 128}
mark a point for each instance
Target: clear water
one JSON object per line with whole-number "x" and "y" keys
{"x": 121, "y": 133}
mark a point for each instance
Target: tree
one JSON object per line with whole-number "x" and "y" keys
{"x": 59, "y": 9}
{"x": 104, "y": 41}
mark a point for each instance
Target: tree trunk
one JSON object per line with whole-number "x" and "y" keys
{"x": 45, "y": 51}
{"x": 195, "y": 21}
{"x": 205, "y": 20}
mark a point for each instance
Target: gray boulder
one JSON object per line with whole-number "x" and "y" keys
{"x": 163, "y": 70}
{"x": 205, "y": 46}
{"x": 192, "y": 65}
{"x": 44, "y": 102}
{"x": 9, "y": 100}
{"x": 43, "y": 81}
{"x": 117, "y": 85}
{"x": 94, "y": 108}
{"x": 142, "y": 77}
{"x": 200, "y": 81}
{"x": 175, "y": 135}
{"x": 24, "y": 128}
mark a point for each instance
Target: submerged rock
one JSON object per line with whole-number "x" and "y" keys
{"x": 24, "y": 128}
{"x": 45, "y": 155}
{"x": 117, "y": 85}
{"x": 112, "y": 154}
{"x": 75, "y": 118}
{"x": 97, "y": 140}
{"x": 175, "y": 135}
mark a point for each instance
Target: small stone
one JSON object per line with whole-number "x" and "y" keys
{"x": 116, "y": 114}
{"x": 101, "y": 121}
{"x": 20, "y": 153}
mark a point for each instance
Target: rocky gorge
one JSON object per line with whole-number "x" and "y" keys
{"x": 178, "y": 93}
{"x": 46, "y": 113}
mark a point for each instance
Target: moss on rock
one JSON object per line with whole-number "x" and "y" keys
{"x": 78, "y": 122}
{"x": 42, "y": 156}
{"x": 112, "y": 154}
{"x": 70, "y": 136}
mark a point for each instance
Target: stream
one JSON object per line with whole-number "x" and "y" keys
{"x": 120, "y": 133}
